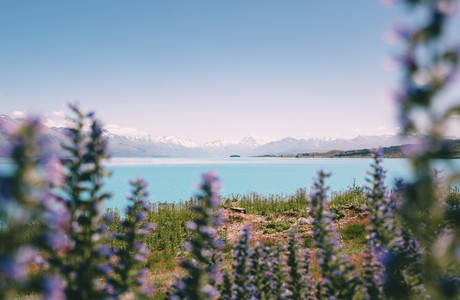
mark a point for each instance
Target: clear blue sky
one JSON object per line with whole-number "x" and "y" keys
{"x": 203, "y": 70}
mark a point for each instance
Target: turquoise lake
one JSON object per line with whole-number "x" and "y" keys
{"x": 174, "y": 179}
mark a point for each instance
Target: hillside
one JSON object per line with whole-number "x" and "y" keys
{"x": 452, "y": 150}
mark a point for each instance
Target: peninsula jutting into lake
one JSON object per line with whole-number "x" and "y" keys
{"x": 451, "y": 151}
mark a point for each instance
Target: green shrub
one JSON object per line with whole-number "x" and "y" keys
{"x": 354, "y": 232}
{"x": 354, "y": 197}
{"x": 276, "y": 226}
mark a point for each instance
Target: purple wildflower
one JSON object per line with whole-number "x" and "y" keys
{"x": 58, "y": 241}
{"x": 203, "y": 265}
{"x": 12, "y": 269}
{"x": 54, "y": 170}
{"x": 146, "y": 229}
{"x": 109, "y": 217}
{"x": 447, "y": 7}
{"x": 335, "y": 267}
{"x": 56, "y": 213}
{"x": 416, "y": 149}
{"x": 26, "y": 254}
{"x": 141, "y": 216}
{"x": 190, "y": 225}
{"x": 210, "y": 292}
{"x": 105, "y": 251}
{"x": 211, "y": 185}
{"x": 53, "y": 287}
{"x": 145, "y": 287}
{"x": 106, "y": 269}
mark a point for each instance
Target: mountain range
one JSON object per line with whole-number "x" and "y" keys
{"x": 149, "y": 146}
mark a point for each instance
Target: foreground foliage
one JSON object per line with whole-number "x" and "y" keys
{"x": 412, "y": 245}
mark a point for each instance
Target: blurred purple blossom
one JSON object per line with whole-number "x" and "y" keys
{"x": 210, "y": 291}
{"x": 146, "y": 229}
{"x": 56, "y": 213}
{"x": 141, "y": 216}
{"x": 106, "y": 269}
{"x": 53, "y": 288}
{"x": 146, "y": 288}
{"x": 447, "y": 7}
{"x": 212, "y": 185}
{"x": 415, "y": 149}
{"x": 58, "y": 241}
{"x": 190, "y": 225}
{"x": 105, "y": 251}
{"x": 54, "y": 171}
{"x": 398, "y": 34}
{"x": 109, "y": 217}
{"x": 12, "y": 269}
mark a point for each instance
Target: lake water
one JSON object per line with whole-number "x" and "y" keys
{"x": 174, "y": 179}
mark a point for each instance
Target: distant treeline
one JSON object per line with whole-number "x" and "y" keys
{"x": 451, "y": 150}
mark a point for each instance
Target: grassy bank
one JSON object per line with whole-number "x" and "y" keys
{"x": 270, "y": 216}
{"x": 170, "y": 218}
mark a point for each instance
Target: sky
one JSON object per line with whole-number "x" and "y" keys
{"x": 204, "y": 69}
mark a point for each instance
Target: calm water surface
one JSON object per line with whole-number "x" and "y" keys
{"x": 174, "y": 179}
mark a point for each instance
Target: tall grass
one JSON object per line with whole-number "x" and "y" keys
{"x": 170, "y": 220}
{"x": 255, "y": 203}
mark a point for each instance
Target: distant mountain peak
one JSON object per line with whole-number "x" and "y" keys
{"x": 253, "y": 141}
{"x": 144, "y": 145}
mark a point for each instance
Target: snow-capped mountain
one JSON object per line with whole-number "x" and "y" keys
{"x": 147, "y": 145}
{"x": 253, "y": 141}
{"x": 54, "y": 137}
{"x": 293, "y": 145}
